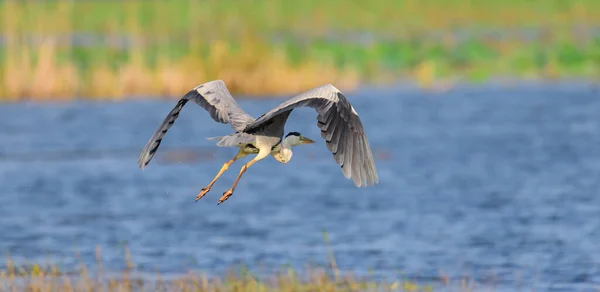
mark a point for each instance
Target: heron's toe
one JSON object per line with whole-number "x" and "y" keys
{"x": 225, "y": 196}
{"x": 203, "y": 192}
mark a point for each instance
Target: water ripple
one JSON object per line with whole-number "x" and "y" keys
{"x": 495, "y": 183}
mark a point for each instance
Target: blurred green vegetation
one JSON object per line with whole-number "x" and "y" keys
{"x": 117, "y": 49}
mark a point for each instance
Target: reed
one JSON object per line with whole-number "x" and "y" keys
{"x": 48, "y": 277}
{"x": 38, "y": 279}
{"x": 66, "y": 49}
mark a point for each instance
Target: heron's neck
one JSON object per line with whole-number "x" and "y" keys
{"x": 287, "y": 143}
{"x": 284, "y": 155}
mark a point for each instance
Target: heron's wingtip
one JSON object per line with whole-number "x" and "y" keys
{"x": 142, "y": 164}
{"x": 331, "y": 86}
{"x": 370, "y": 183}
{"x": 211, "y": 83}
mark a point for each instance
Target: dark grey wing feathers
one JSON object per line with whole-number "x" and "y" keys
{"x": 340, "y": 126}
{"x": 214, "y": 97}
{"x": 152, "y": 144}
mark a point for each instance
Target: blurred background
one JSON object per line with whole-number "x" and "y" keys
{"x": 482, "y": 117}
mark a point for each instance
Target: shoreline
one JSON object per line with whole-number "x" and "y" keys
{"x": 437, "y": 87}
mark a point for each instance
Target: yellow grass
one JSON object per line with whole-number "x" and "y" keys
{"x": 251, "y": 72}
{"x": 255, "y": 70}
{"x": 37, "y": 71}
{"x": 181, "y": 43}
{"x": 41, "y": 278}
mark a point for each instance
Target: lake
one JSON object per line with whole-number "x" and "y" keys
{"x": 498, "y": 183}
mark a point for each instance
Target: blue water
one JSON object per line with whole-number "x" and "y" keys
{"x": 496, "y": 183}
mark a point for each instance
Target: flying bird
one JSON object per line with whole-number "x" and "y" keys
{"x": 340, "y": 126}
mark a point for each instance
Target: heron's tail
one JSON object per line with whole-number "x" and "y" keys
{"x": 152, "y": 145}
{"x": 233, "y": 140}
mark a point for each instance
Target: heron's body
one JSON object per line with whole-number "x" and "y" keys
{"x": 274, "y": 144}
{"x": 252, "y": 148}
{"x": 338, "y": 120}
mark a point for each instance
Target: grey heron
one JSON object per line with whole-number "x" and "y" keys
{"x": 340, "y": 126}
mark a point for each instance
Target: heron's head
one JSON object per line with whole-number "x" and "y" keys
{"x": 295, "y": 139}
{"x": 290, "y": 140}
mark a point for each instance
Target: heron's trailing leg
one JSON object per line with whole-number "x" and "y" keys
{"x": 261, "y": 154}
{"x": 225, "y": 166}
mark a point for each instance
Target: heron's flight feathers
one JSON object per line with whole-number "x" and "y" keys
{"x": 340, "y": 125}
{"x": 214, "y": 97}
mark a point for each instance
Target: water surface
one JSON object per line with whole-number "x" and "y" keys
{"x": 496, "y": 183}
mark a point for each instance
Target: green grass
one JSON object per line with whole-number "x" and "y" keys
{"x": 180, "y": 43}
{"x": 49, "y": 277}
{"x": 38, "y": 278}
{"x": 224, "y": 17}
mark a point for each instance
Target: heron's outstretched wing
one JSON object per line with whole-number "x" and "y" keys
{"x": 214, "y": 97}
{"x": 340, "y": 127}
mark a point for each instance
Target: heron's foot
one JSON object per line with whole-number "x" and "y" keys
{"x": 203, "y": 192}
{"x": 225, "y": 196}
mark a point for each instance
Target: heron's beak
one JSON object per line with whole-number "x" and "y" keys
{"x": 307, "y": 141}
